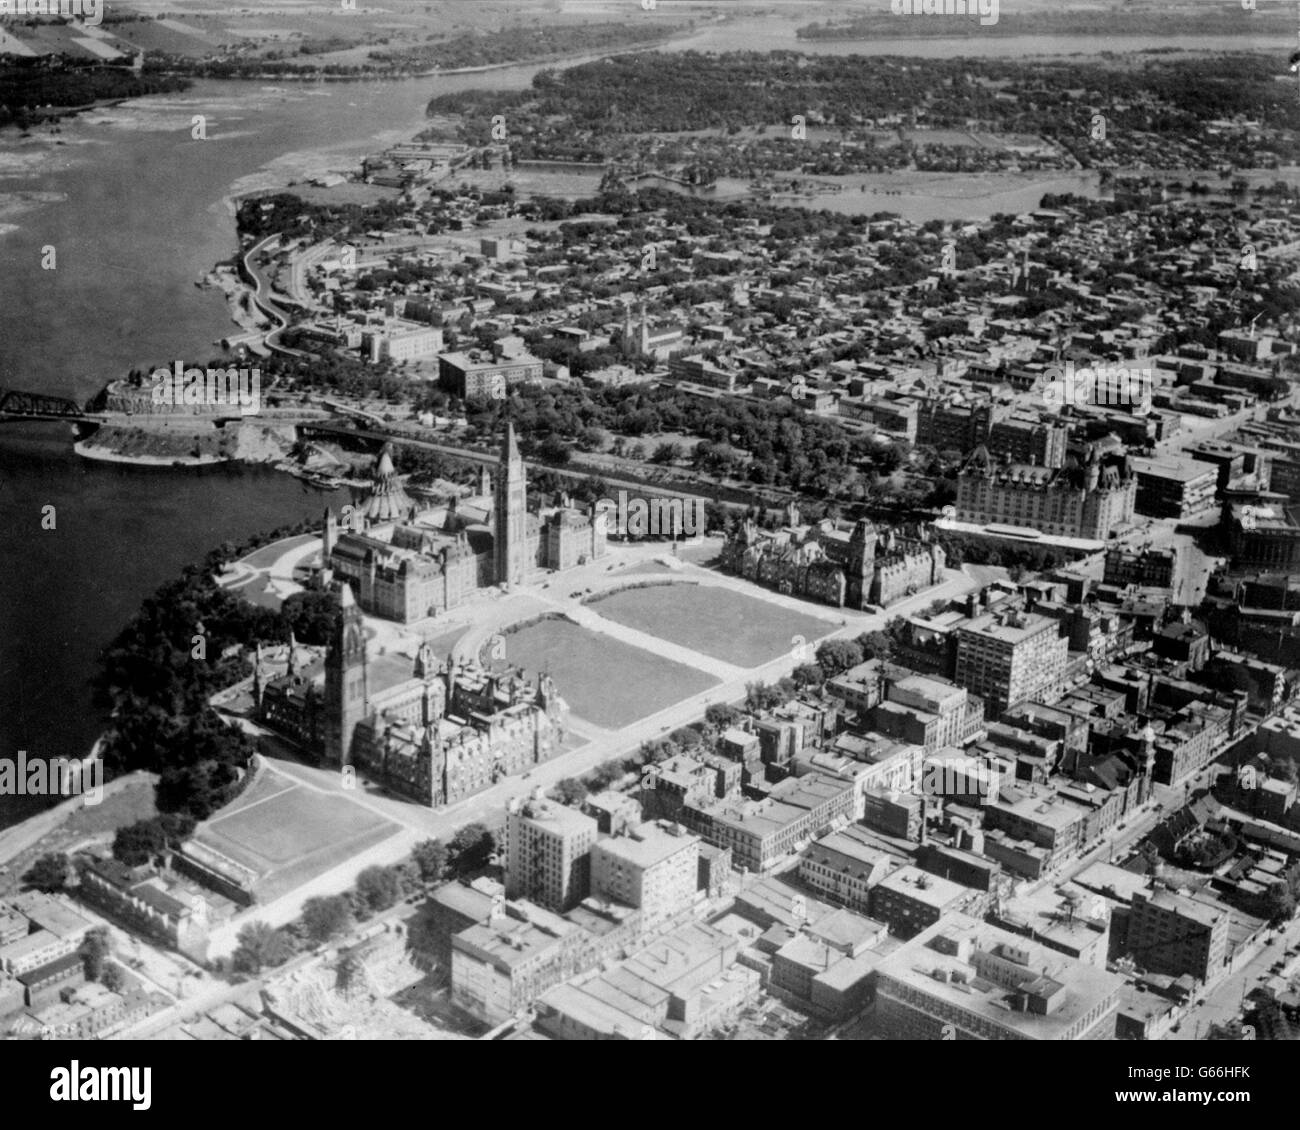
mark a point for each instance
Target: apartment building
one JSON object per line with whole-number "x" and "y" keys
{"x": 548, "y": 853}
{"x": 1170, "y": 933}
{"x": 651, "y": 866}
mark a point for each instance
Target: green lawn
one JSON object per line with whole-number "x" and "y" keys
{"x": 604, "y": 681}
{"x": 289, "y": 833}
{"x": 718, "y": 622}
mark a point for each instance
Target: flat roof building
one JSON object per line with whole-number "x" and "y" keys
{"x": 548, "y": 853}
{"x": 652, "y": 866}
{"x": 966, "y": 979}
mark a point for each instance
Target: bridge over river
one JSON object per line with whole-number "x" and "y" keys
{"x": 17, "y": 404}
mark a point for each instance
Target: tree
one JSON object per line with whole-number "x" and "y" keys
{"x": 50, "y": 873}
{"x": 470, "y": 847}
{"x": 430, "y": 857}
{"x": 808, "y": 675}
{"x": 139, "y": 843}
{"x": 95, "y": 949}
{"x": 837, "y": 656}
{"x": 554, "y": 450}
{"x": 687, "y": 737}
{"x": 380, "y": 887}
{"x": 260, "y": 946}
{"x": 112, "y": 977}
{"x": 760, "y": 696}
{"x": 570, "y": 791}
{"x": 666, "y": 453}
{"x": 875, "y": 645}
{"x": 1281, "y": 904}
{"x": 326, "y": 917}
{"x": 313, "y": 616}
{"x": 721, "y": 715}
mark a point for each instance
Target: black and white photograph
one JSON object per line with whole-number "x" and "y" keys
{"x": 649, "y": 520}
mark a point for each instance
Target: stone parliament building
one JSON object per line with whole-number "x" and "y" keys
{"x": 405, "y": 564}
{"x": 436, "y": 733}
{"x": 845, "y": 566}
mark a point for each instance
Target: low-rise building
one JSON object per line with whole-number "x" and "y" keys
{"x": 844, "y": 867}
{"x": 909, "y": 900}
{"x": 968, "y": 980}
{"x": 762, "y": 833}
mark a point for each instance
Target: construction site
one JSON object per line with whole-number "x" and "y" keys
{"x": 372, "y": 990}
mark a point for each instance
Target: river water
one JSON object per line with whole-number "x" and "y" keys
{"x": 134, "y": 210}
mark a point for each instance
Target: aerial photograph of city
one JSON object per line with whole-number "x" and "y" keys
{"x": 660, "y": 520}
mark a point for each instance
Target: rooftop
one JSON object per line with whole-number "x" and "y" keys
{"x": 944, "y": 962}
{"x": 921, "y": 886}
{"x": 648, "y": 843}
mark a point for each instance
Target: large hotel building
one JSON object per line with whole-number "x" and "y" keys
{"x": 1087, "y": 501}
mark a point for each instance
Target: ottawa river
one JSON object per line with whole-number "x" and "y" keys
{"x": 136, "y": 212}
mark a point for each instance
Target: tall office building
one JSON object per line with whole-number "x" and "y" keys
{"x": 548, "y": 853}
{"x": 1011, "y": 657}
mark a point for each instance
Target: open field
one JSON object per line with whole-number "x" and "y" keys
{"x": 289, "y": 833}
{"x": 717, "y": 622}
{"x": 604, "y": 680}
